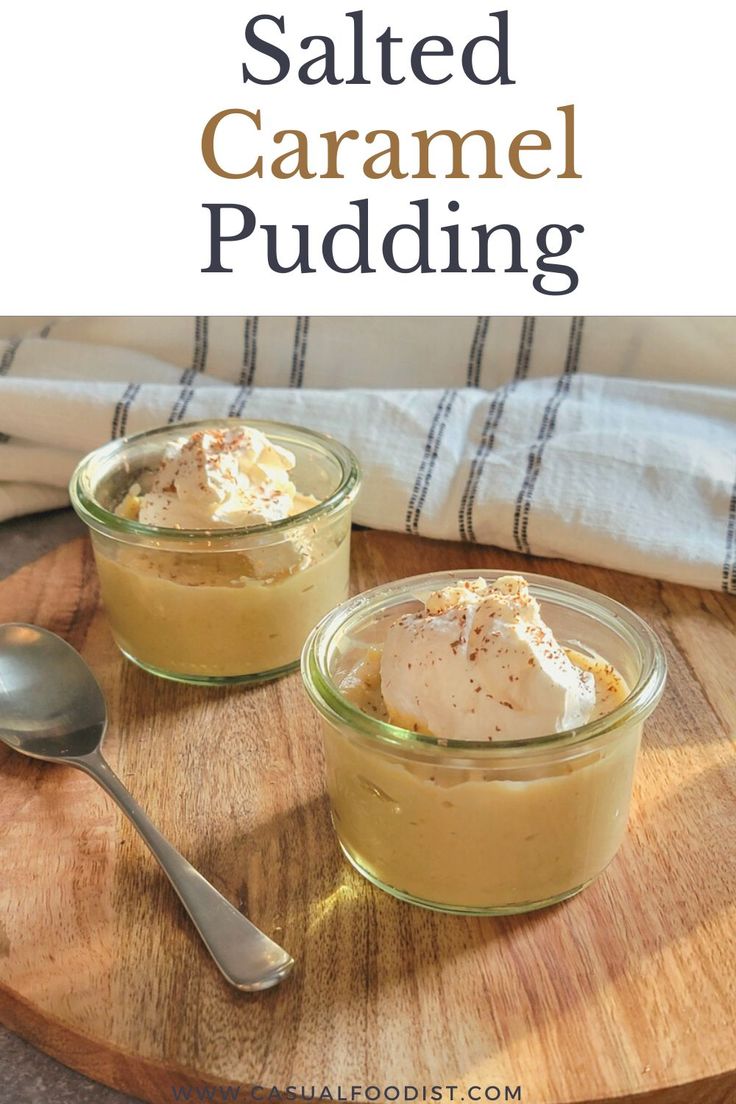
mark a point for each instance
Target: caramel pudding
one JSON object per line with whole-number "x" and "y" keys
{"x": 225, "y": 559}
{"x": 479, "y": 790}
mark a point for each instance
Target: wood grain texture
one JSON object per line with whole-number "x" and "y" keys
{"x": 625, "y": 993}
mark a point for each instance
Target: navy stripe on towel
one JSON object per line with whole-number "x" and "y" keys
{"x": 199, "y": 353}
{"x": 197, "y": 367}
{"x": 6, "y": 361}
{"x": 728, "y": 576}
{"x": 237, "y": 406}
{"x": 487, "y": 441}
{"x": 428, "y": 461}
{"x": 298, "y": 356}
{"x": 250, "y": 352}
{"x": 122, "y": 410}
{"x": 476, "y": 351}
{"x": 181, "y": 405}
{"x": 546, "y": 432}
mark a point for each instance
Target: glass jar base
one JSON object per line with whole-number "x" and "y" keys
{"x": 213, "y": 680}
{"x": 462, "y": 910}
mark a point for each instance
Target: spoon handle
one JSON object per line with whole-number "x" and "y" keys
{"x": 245, "y": 955}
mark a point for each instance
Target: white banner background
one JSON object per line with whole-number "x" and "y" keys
{"x": 103, "y": 181}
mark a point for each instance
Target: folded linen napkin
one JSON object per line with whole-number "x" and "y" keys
{"x": 525, "y": 446}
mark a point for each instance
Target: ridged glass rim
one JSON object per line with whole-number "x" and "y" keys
{"x": 96, "y": 515}
{"x": 640, "y": 701}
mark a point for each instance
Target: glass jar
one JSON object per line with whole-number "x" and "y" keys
{"x": 485, "y": 828}
{"x": 218, "y": 605}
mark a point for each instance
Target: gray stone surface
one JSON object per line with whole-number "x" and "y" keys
{"x": 26, "y": 1075}
{"x": 25, "y": 539}
{"x": 29, "y": 1077}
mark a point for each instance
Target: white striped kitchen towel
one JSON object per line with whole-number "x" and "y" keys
{"x": 608, "y": 441}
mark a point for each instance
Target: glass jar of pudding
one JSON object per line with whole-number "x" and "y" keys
{"x": 492, "y": 827}
{"x": 218, "y": 605}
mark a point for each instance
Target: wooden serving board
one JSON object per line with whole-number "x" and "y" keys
{"x": 626, "y": 993}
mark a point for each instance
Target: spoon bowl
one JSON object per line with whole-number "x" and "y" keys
{"x": 52, "y": 708}
{"x": 51, "y": 705}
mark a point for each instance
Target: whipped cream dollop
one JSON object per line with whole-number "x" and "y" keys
{"x": 479, "y": 663}
{"x": 218, "y": 478}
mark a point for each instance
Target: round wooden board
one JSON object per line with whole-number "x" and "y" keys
{"x": 625, "y": 993}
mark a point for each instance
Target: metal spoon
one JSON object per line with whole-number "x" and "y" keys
{"x": 51, "y": 707}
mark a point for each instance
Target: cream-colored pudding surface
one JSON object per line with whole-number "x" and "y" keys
{"x": 208, "y": 615}
{"x": 467, "y": 830}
